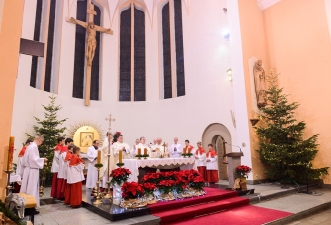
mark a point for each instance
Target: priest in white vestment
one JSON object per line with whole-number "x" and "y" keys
{"x": 121, "y": 145}
{"x": 176, "y": 149}
{"x": 143, "y": 145}
{"x": 158, "y": 150}
{"x": 107, "y": 146}
{"x": 92, "y": 172}
{"x": 134, "y": 148}
{"x": 33, "y": 163}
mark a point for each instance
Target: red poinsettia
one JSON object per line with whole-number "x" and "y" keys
{"x": 119, "y": 175}
{"x": 243, "y": 171}
{"x": 132, "y": 190}
{"x": 149, "y": 188}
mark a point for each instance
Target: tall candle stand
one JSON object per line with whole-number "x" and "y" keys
{"x": 108, "y": 194}
{"x": 98, "y": 194}
{"x": 8, "y": 187}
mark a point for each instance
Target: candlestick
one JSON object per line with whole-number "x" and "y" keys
{"x": 99, "y": 157}
{"x": 145, "y": 151}
{"x": 139, "y": 151}
{"x": 120, "y": 156}
{"x": 10, "y": 153}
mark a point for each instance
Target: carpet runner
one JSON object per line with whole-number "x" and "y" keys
{"x": 216, "y": 207}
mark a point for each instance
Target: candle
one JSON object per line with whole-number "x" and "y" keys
{"x": 99, "y": 157}
{"x": 120, "y": 156}
{"x": 10, "y": 153}
{"x": 145, "y": 151}
{"x": 189, "y": 151}
{"x": 139, "y": 151}
{"x": 184, "y": 150}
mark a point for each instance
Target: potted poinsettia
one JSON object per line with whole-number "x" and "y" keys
{"x": 119, "y": 176}
{"x": 132, "y": 190}
{"x": 243, "y": 171}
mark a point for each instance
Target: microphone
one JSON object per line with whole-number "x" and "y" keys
{"x": 233, "y": 146}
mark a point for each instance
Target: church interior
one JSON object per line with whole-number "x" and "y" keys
{"x": 152, "y": 82}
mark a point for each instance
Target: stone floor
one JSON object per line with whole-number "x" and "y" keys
{"x": 271, "y": 195}
{"x": 322, "y": 218}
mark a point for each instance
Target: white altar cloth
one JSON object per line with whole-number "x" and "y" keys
{"x": 134, "y": 164}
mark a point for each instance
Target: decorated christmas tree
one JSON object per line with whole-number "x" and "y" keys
{"x": 48, "y": 127}
{"x": 286, "y": 154}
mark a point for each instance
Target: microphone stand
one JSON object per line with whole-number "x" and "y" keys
{"x": 233, "y": 145}
{"x": 108, "y": 195}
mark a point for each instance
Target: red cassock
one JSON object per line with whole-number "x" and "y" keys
{"x": 75, "y": 189}
{"x": 212, "y": 172}
{"x": 66, "y": 186}
{"x": 54, "y": 192}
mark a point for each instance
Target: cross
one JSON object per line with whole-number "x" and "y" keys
{"x": 164, "y": 145}
{"x": 110, "y": 119}
{"x": 91, "y": 44}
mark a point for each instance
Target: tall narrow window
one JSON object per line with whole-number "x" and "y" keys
{"x": 166, "y": 52}
{"x": 139, "y": 56}
{"x": 36, "y": 37}
{"x": 125, "y": 56}
{"x": 80, "y": 48}
{"x": 132, "y": 55}
{"x": 173, "y": 50}
{"x": 50, "y": 41}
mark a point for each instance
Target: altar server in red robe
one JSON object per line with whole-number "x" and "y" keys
{"x": 212, "y": 166}
{"x": 75, "y": 178}
{"x": 200, "y": 161}
{"x": 60, "y": 174}
{"x": 55, "y": 167}
{"x": 20, "y": 167}
{"x": 67, "y": 158}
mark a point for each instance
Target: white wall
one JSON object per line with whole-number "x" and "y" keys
{"x": 209, "y": 94}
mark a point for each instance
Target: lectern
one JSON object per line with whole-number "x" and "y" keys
{"x": 234, "y": 160}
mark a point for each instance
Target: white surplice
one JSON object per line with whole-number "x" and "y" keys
{"x": 55, "y": 164}
{"x": 75, "y": 173}
{"x": 201, "y": 159}
{"x": 92, "y": 172}
{"x": 61, "y": 171}
{"x": 32, "y": 162}
{"x": 178, "y": 152}
{"x": 20, "y": 167}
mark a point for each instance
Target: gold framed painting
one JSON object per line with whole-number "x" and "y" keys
{"x": 86, "y": 139}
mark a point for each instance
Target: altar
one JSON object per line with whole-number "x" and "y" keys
{"x": 157, "y": 163}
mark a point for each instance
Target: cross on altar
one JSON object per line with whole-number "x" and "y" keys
{"x": 110, "y": 119}
{"x": 91, "y": 44}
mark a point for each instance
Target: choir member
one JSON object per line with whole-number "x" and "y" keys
{"x": 200, "y": 161}
{"x": 188, "y": 149}
{"x": 67, "y": 158}
{"x": 55, "y": 167}
{"x": 60, "y": 174}
{"x": 75, "y": 178}
{"x": 212, "y": 166}
{"x": 20, "y": 167}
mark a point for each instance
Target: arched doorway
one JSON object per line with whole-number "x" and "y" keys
{"x": 217, "y": 134}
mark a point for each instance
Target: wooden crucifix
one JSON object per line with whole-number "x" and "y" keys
{"x": 91, "y": 44}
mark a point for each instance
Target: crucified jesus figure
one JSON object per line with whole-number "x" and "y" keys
{"x": 91, "y": 41}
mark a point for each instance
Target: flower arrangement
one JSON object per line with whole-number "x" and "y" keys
{"x": 119, "y": 175}
{"x": 132, "y": 190}
{"x": 243, "y": 171}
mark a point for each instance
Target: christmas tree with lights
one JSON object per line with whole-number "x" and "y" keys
{"x": 283, "y": 149}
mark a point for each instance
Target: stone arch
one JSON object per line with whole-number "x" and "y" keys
{"x": 217, "y": 134}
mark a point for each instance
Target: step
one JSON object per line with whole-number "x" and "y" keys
{"x": 212, "y": 195}
{"x": 200, "y": 209}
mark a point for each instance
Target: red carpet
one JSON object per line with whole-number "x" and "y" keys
{"x": 224, "y": 206}
{"x": 245, "y": 215}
